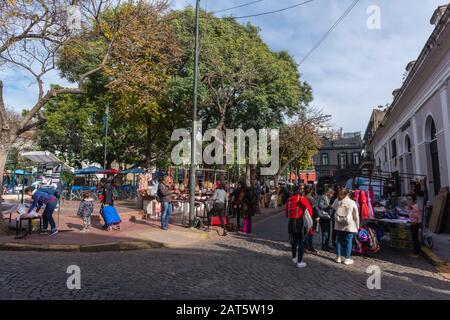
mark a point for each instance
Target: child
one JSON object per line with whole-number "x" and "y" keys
{"x": 85, "y": 210}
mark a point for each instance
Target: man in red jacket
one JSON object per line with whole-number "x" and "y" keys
{"x": 294, "y": 210}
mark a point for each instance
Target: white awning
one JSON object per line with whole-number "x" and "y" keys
{"x": 45, "y": 157}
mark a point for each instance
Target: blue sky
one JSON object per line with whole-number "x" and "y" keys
{"x": 353, "y": 71}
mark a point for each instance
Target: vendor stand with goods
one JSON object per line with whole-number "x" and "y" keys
{"x": 47, "y": 178}
{"x": 204, "y": 189}
{"x": 386, "y": 214}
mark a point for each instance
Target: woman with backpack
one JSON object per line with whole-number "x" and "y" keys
{"x": 346, "y": 220}
{"x": 296, "y": 207}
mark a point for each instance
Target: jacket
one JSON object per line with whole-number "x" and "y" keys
{"x": 294, "y": 210}
{"x": 352, "y": 215}
{"x": 164, "y": 193}
{"x": 86, "y": 208}
{"x": 108, "y": 196}
{"x": 39, "y": 199}
{"x": 323, "y": 208}
{"x": 295, "y": 207}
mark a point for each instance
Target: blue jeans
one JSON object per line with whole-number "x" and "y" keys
{"x": 309, "y": 241}
{"x": 165, "y": 214}
{"x": 342, "y": 236}
{"x": 47, "y": 216}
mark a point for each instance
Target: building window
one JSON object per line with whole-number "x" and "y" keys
{"x": 343, "y": 160}
{"x": 355, "y": 158}
{"x": 394, "y": 148}
{"x": 408, "y": 144}
{"x": 325, "y": 160}
{"x": 385, "y": 154}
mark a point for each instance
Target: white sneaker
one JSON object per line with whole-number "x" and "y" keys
{"x": 339, "y": 260}
{"x": 301, "y": 265}
{"x": 295, "y": 260}
{"x": 348, "y": 261}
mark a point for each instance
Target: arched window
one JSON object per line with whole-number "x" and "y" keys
{"x": 433, "y": 130}
{"x": 408, "y": 144}
{"x": 430, "y": 129}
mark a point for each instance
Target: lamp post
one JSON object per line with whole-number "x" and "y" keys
{"x": 194, "y": 119}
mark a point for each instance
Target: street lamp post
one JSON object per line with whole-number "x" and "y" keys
{"x": 194, "y": 119}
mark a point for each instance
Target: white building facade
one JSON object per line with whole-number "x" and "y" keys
{"x": 414, "y": 136}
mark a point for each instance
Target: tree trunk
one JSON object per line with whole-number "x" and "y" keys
{"x": 148, "y": 154}
{"x": 3, "y": 157}
{"x": 4, "y": 149}
{"x": 252, "y": 173}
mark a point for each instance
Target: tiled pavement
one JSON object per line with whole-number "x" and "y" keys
{"x": 233, "y": 267}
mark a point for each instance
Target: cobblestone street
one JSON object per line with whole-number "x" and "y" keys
{"x": 233, "y": 267}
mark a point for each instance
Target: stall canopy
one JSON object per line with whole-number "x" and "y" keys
{"x": 89, "y": 170}
{"x": 45, "y": 157}
{"x": 21, "y": 172}
{"x": 133, "y": 171}
{"x": 109, "y": 171}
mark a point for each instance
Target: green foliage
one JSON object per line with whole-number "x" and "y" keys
{"x": 243, "y": 83}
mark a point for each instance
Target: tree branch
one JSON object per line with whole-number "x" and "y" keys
{"x": 3, "y": 117}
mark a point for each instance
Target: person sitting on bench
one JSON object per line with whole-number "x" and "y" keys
{"x": 39, "y": 199}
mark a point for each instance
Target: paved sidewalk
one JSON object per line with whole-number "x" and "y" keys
{"x": 135, "y": 233}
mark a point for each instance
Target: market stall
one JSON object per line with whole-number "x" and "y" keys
{"x": 385, "y": 208}
{"x": 204, "y": 188}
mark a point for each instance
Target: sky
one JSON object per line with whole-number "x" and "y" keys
{"x": 353, "y": 71}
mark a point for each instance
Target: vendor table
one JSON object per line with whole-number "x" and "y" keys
{"x": 399, "y": 231}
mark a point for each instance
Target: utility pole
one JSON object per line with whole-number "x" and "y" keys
{"x": 106, "y": 118}
{"x": 193, "y": 171}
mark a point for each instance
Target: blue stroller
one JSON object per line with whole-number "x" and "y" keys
{"x": 111, "y": 218}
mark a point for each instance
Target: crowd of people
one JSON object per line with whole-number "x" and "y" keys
{"x": 338, "y": 216}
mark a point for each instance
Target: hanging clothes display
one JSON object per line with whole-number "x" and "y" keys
{"x": 364, "y": 206}
{"x": 370, "y": 203}
{"x": 356, "y": 198}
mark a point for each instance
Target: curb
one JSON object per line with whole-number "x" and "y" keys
{"x": 14, "y": 246}
{"x": 442, "y": 266}
{"x": 96, "y": 247}
{"x": 100, "y": 247}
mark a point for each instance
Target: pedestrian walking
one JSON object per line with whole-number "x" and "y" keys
{"x": 219, "y": 199}
{"x": 324, "y": 208}
{"x": 309, "y": 194}
{"x": 332, "y": 212}
{"x": 296, "y": 206}
{"x": 85, "y": 210}
{"x": 41, "y": 198}
{"x": 249, "y": 209}
{"x": 107, "y": 192}
{"x": 165, "y": 197}
{"x": 237, "y": 204}
{"x": 346, "y": 225}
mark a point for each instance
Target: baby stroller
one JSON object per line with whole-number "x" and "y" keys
{"x": 111, "y": 218}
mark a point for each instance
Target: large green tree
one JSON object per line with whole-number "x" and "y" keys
{"x": 244, "y": 84}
